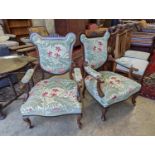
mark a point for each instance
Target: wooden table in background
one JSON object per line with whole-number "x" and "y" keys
{"x": 9, "y": 65}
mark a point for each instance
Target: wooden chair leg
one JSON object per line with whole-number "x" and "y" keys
{"x": 134, "y": 99}
{"x": 2, "y": 115}
{"x": 79, "y": 121}
{"x": 104, "y": 111}
{"x": 28, "y": 121}
{"x": 83, "y": 92}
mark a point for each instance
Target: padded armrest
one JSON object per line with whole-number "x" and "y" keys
{"x": 28, "y": 75}
{"x": 77, "y": 74}
{"x": 92, "y": 72}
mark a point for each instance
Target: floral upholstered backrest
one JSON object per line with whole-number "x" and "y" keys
{"x": 55, "y": 53}
{"x": 95, "y": 50}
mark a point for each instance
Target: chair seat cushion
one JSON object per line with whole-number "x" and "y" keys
{"x": 141, "y": 65}
{"x": 115, "y": 87}
{"x": 52, "y": 97}
{"x": 137, "y": 54}
{"x": 9, "y": 43}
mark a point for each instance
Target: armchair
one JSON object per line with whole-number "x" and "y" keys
{"x": 106, "y": 87}
{"x": 54, "y": 96}
{"x": 131, "y": 62}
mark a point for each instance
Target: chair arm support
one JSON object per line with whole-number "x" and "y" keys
{"x": 97, "y": 76}
{"x": 77, "y": 76}
{"x": 28, "y": 75}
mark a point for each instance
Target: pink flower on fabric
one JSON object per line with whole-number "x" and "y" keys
{"x": 113, "y": 78}
{"x": 38, "y": 84}
{"x": 58, "y": 48}
{"x": 61, "y": 70}
{"x": 94, "y": 48}
{"x": 100, "y": 43}
{"x": 93, "y": 66}
{"x": 49, "y": 53}
{"x": 130, "y": 90}
{"x": 114, "y": 97}
{"x": 100, "y": 62}
{"x": 49, "y": 70}
{"x": 46, "y": 81}
{"x": 45, "y": 94}
{"x": 30, "y": 109}
{"x": 99, "y": 49}
{"x": 55, "y": 90}
{"x": 57, "y": 55}
{"x": 31, "y": 94}
{"x": 54, "y": 94}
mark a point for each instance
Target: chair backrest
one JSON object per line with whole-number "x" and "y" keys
{"x": 55, "y": 53}
{"x": 112, "y": 41}
{"x": 120, "y": 44}
{"x": 41, "y": 30}
{"x": 95, "y": 50}
{"x": 128, "y": 38}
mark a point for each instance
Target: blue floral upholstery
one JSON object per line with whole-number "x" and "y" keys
{"x": 115, "y": 87}
{"x": 55, "y": 53}
{"x": 77, "y": 75}
{"x": 52, "y": 97}
{"x": 27, "y": 76}
{"x": 95, "y": 50}
{"x": 92, "y": 72}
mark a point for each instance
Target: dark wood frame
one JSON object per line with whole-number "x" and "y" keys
{"x": 99, "y": 82}
{"x": 80, "y": 90}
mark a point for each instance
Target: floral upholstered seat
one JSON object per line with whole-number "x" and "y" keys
{"x": 54, "y": 96}
{"x": 105, "y": 86}
{"x": 116, "y": 88}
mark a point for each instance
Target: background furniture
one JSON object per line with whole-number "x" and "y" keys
{"x": 9, "y": 65}
{"x": 77, "y": 26}
{"x": 19, "y": 27}
{"x": 7, "y": 39}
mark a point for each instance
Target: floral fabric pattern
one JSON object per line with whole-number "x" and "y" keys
{"x": 92, "y": 72}
{"x": 95, "y": 50}
{"x": 77, "y": 74}
{"x": 52, "y": 97}
{"x": 115, "y": 87}
{"x": 55, "y": 53}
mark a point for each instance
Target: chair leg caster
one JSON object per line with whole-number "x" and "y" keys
{"x": 28, "y": 121}
{"x": 79, "y": 121}
{"x": 104, "y": 111}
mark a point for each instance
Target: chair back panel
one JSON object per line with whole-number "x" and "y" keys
{"x": 120, "y": 44}
{"x": 128, "y": 38}
{"x": 55, "y": 53}
{"x": 95, "y": 50}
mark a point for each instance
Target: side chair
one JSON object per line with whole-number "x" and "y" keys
{"x": 54, "y": 96}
